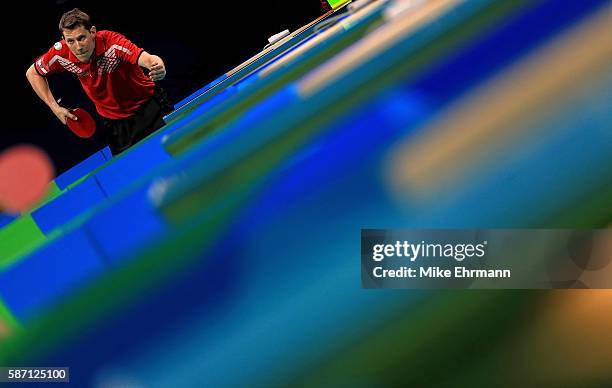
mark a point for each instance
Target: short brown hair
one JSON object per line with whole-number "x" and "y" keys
{"x": 74, "y": 18}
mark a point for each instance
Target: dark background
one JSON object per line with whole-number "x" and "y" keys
{"x": 198, "y": 41}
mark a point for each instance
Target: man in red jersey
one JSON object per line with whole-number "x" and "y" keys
{"x": 109, "y": 67}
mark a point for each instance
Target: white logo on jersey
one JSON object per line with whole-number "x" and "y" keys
{"x": 57, "y": 46}
{"x": 66, "y": 64}
{"x": 109, "y": 62}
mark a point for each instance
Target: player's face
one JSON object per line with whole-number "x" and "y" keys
{"x": 81, "y": 42}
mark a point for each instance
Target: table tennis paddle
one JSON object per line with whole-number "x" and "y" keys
{"x": 25, "y": 174}
{"x": 84, "y": 126}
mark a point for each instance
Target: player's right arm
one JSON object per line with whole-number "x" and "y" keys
{"x": 42, "y": 89}
{"x": 47, "y": 64}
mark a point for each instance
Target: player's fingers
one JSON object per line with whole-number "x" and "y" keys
{"x": 157, "y": 74}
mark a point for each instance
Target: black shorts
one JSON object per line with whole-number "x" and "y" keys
{"x": 123, "y": 133}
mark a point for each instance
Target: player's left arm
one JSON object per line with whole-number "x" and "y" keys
{"x": 155, "y": 65}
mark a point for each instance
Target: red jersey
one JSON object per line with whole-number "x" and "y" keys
{"x": 112, "y": 79}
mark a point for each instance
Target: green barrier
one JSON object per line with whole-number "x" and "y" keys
{"x": 19, "y": 238}
{"x": 335, "y": 4}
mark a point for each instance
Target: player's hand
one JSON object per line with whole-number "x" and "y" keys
{"x": 157, "y": 71}
{"x": 63, "y": 114}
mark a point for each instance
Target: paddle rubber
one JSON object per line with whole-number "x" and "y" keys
{"x": 84, "y": 126}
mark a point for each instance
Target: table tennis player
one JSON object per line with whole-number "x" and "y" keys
{"x": 110, "y": 69}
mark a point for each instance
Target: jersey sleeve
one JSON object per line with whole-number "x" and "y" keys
{"x": 50, "y": 62}
{"x": 124, "y": 48}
